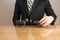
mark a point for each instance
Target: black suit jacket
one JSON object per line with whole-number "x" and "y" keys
{"x": 39, "y": 8}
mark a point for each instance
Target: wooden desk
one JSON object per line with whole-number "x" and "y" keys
{"x": 29, "y": 33}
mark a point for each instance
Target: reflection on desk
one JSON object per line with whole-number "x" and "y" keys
{"x": 29, "y": 33}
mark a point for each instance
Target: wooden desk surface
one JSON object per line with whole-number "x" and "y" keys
{"x": 29, "y": 33}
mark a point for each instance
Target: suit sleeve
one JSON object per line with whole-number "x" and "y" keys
{"x": 16, "y": 15}
{"x": 49, "y": 11}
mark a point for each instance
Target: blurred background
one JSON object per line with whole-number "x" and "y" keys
{"x": 7, "y": 11}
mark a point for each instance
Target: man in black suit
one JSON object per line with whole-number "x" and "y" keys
{"x": 36, "y": 15}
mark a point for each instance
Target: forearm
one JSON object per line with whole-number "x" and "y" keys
{"x": 50, "y": 12}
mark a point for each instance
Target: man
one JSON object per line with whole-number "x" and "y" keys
{"x": 34, "y": 12}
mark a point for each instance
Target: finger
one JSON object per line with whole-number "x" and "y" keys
{"x": 42, "y": 19}
{"x": 43, "y": 22}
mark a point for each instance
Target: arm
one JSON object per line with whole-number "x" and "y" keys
{"x": 16, "y": 15}
{"x": 50, "y": 18}
{"x": 49, "y": 11}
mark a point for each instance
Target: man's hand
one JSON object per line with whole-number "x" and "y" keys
{"x": 45, "y": 20}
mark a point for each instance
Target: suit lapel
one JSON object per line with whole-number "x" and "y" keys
{"x": 36, "y": 3}
{"x": 25, "y": 5}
